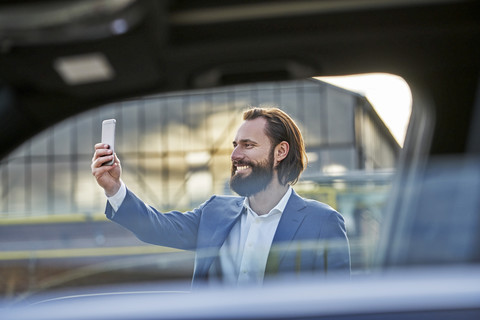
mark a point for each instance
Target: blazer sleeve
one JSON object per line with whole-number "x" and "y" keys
{"x": 171, "y": 229}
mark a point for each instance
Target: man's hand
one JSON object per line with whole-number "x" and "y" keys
{"x": 108, "y": 177}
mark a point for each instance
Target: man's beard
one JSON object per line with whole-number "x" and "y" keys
{"x": 259, "y": 178}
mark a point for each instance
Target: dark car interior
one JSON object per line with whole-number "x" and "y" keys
{"x": 176, "y": 45}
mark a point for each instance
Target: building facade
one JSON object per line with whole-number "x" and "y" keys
{"x": 175, "y": 148}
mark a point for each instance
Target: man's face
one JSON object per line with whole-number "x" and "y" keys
{"x": 252, "y": 159}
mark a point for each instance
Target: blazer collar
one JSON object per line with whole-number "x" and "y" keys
{"x": 291, "y": 219}
{"x": 218, "y": 223}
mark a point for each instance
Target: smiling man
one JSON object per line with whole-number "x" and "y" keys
{"x": 268, "y": 230}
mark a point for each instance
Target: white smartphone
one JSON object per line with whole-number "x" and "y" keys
{"x": 108, "y": 136}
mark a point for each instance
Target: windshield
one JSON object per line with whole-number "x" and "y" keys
{"x": 175, "y": 152}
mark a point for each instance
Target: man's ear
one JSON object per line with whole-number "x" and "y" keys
{"x": 281, "y": 152}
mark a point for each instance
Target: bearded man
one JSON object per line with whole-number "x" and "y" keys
{"x": 269, "y": 230}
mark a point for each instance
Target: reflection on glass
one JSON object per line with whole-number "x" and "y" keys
{"x": 175, "y": 150}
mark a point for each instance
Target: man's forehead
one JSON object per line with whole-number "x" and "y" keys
{"x": 251, "y": 130}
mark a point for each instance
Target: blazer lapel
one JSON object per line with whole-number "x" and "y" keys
{"x": 288, "y": 225}
{"x": 212, "y": 235}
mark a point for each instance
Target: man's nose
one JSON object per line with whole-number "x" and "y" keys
{"x": 236, "y": 154}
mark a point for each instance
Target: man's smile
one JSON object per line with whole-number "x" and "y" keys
{"x": 241, "y": 168}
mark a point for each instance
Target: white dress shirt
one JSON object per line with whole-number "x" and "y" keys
{"x": 243, "y": 256}
{"x": 117, "y": 199}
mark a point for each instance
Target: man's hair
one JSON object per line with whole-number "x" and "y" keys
{"x": 280, "y": 127}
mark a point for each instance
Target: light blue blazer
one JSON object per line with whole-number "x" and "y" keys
{"x": 310, "y": 237}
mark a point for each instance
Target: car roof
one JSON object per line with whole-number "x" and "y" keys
{"x": 144, "y": 47}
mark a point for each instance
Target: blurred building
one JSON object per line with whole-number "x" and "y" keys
{"x": 175, "y": 148}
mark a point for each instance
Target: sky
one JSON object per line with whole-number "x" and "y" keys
{"x": 389, "y": 94}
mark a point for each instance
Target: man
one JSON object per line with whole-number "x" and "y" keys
{"x": 241, "y": 240}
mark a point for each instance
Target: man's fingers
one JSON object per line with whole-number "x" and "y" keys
{"x": 101, "y": 146}
{"x": 99, "y": 153}
{"x": 97, "y": 162}
{"x": 104, "y": 159}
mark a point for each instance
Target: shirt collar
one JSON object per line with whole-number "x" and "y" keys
{"x": 279, "y": 208}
